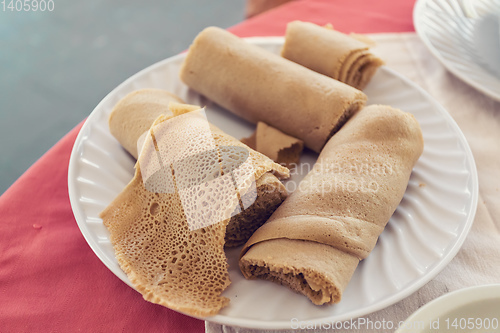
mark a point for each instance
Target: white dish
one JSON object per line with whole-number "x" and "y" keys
{"x": 424, "y": 234}
{"x": 469, "y": 47}
{"x": 473, "y": 309}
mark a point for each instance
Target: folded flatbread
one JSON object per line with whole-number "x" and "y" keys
{"x": 331, "y": 53}
{"x": 160, "y": 236}
{"x": 134, "y": 114}
{"x": 314, "y": 241}
{"x": 258, "y": 85}
{"x": 278, "y": 146}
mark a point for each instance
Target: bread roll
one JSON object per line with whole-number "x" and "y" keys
{"x": 331, "y": 53}
{"x": 260, "y": 86}
{"x": 315, "y": 239}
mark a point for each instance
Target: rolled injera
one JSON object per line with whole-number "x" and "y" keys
{"x": 314, "y": 241}
{"x": 258, "y": 85}
{"x": 134, "y": 114}
{"x": 331, "y": 53}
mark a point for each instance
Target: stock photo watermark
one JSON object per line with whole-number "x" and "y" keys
{"x": 439, "y": 324}
{"x": 354, "y": 324}
{"x": 361, "y": 177}
{"x": 214, "y": 182}
{"x": 27, "y": 5}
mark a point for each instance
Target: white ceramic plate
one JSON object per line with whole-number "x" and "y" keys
{"x": 423, "y": 235}
{"x": 467, "y": 47}
{"x": 473, "y": 309}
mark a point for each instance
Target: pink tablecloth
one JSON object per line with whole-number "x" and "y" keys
{"x": 51, "y": 281}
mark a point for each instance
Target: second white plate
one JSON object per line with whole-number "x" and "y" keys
{"x": 467, "y": 47}
{"x": 473, "y": 309}
{"x": 423, "y": 235}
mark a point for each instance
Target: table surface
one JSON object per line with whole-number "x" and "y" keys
{"x": 50, "y": 280}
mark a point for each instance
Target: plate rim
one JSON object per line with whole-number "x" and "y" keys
{"x": 260, "y": 324}
{"x": 419, "y": 28}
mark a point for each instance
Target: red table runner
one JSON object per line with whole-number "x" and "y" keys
{"x": 50, "y": 280}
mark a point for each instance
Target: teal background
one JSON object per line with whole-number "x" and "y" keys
{"x": 56, "y": 66}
